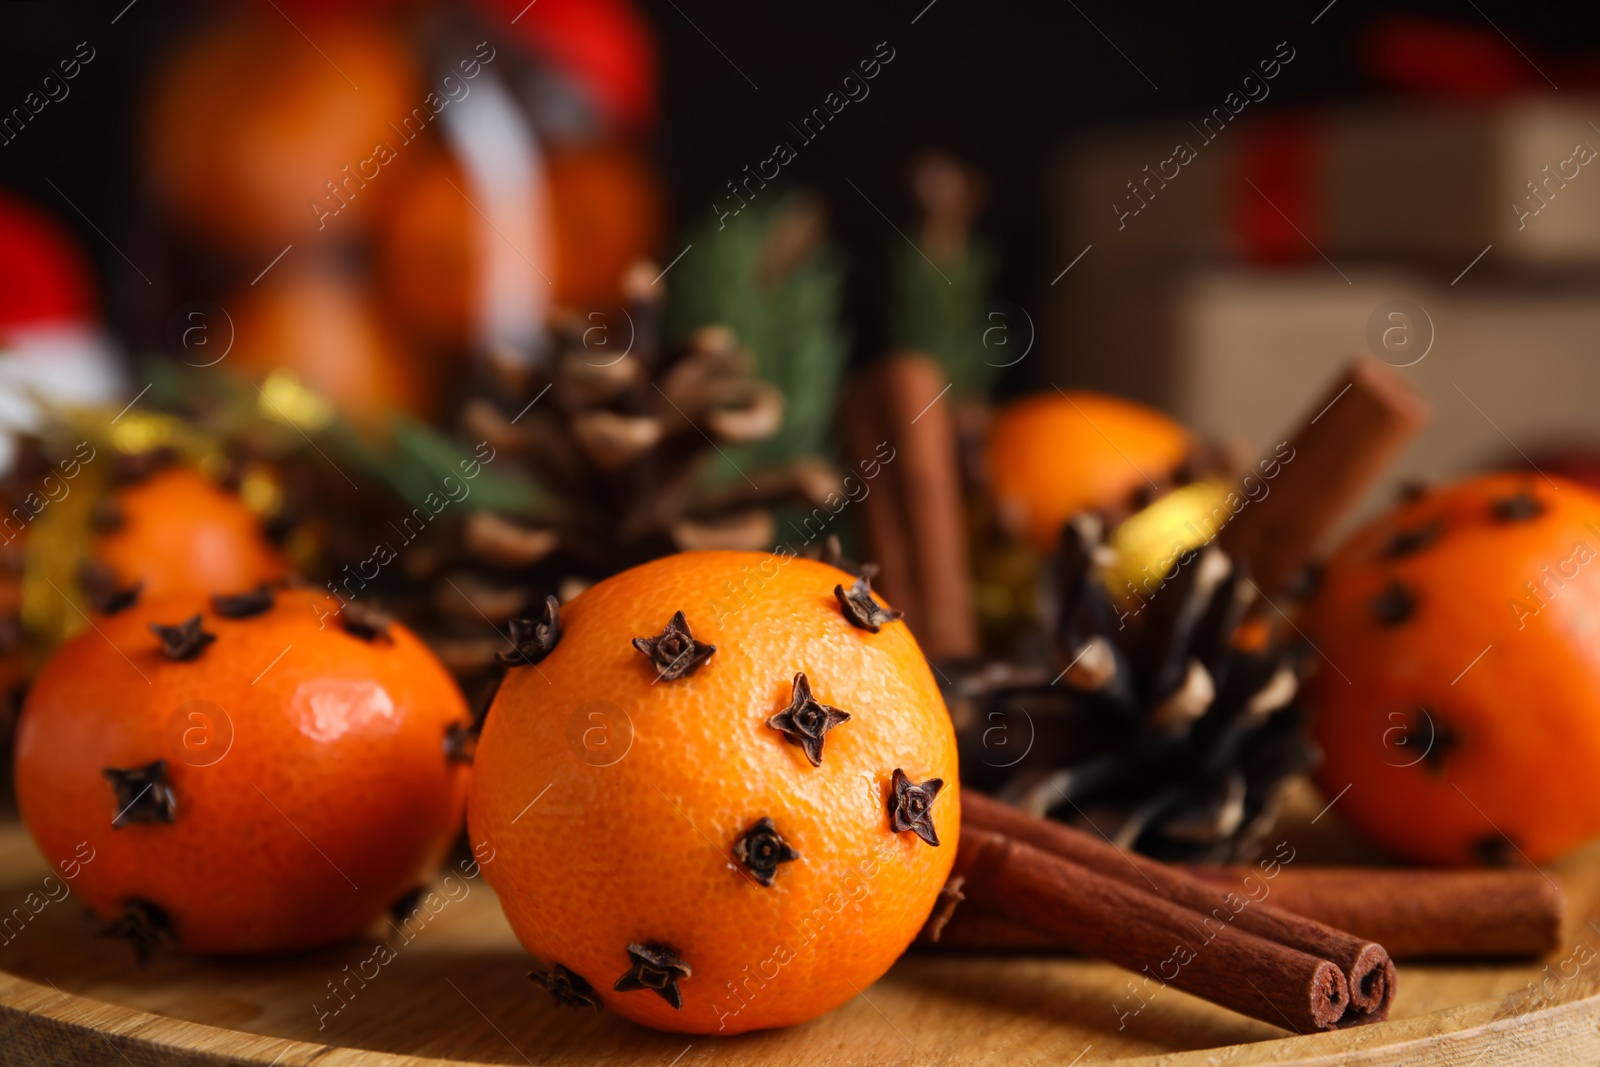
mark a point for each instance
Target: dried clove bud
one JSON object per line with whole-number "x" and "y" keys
{"x": 1496, "y": 850}
{"x": 117, "y": 600}
{"x": 461, "y": 742}
{"x": 1395, "y": 604}
{"x": 245, "y": 605}
{"x": 1443, "y": 739}
{"x": 911, "y": 806}
{"x": 143, "y": 794}
{"x": 99, "y": 584}
{"x": 761, "y": 848}
{"x": 675, "y": 653}
{"x": 365, "y": 622}
{"x": 405, "y": 905}
{"x": 569, "y": 988}
{"x": 864, "y": 612}
{"x": 655, "y": 967}
{"x": 143, "y": 925}
{"x": 806, "y": 721}
{"x": 534, "y": 639}
{"x": 1519, "y": 507}
{"x": 184, "y": 641}
{"x": 1408, "y": 542}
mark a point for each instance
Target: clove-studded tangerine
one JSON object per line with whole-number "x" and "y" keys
{"x": 1457, "y": 691}
{"x": 715, "y": 802}
{"x": 261, "y": 775}
{"x": 176, "y": 532}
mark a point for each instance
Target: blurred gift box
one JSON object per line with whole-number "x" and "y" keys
{"x": 1240, "y": 352}
{"x": 1233, "y": 266}
{"x": 1424, "y": 181}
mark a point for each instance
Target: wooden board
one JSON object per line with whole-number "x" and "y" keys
{"x": 457, "y": 993}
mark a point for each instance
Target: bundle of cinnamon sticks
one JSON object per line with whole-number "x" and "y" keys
{"x": 1025, "y": 883}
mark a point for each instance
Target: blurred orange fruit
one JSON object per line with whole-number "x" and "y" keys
{"x": 248, "y": 122}
{"x": 177, "y": 533}
{"x": 321, "y": 326}
{"x": 605, "y": 212}
{"x": 1457, "y": 695}
{"x": 429, "y": 259}
{"x": 693, "y": 835}
{"x": 1053, "y": 455}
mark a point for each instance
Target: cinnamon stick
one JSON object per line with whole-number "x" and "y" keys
{"x": 1413, "y": 914}
{"x": 1154, "y": 935}
{"x": 915, "y": 528}
{"x": 1366, "y": 966}
{"x": 921, "y": 416}
{"x": 1421, "y": 914}
{"x": 888, "y": 540}
{"x": 1350, "y": 435}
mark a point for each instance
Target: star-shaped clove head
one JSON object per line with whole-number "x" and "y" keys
{"x": 258, "y": 601}
{"x": 111, "y": 601}
{"x": 184, "y": 641}
{"x": 1521, "y": 506}
{"x": 861, "y": 610}
{"x": 143, "y": 794}
{"x": 366, "y": 622}
{"x": 99, "y": 583}
{"x": 761, "y": 848}
{"x": 806, "y": 721}
{"x": 569, "y": 988}
{"x": 533, "y": 639}
{"x": 655, "y": 967}
{"x": 461, "y": 742}
{"x": 911, "y": 806}
{"x": 1395, "y": 605}
{"x": 143, "y": 925}
{"x": 675, "y": 653}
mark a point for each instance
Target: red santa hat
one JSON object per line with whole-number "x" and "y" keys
{"x": 605, "y": 46}
{"x": 51, "y": 345}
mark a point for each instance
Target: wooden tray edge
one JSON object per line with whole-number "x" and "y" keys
{"x": 41, "y": 1024}
{"x": 1551, "y": 1037}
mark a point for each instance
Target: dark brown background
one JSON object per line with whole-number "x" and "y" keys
{"x": 1006, "y": 83}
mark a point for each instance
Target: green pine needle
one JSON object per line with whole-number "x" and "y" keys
{"x": 940, "y": 312}
{"x": 790, "y": 323}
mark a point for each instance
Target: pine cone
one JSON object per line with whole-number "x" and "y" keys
{"x": 1154, "y": 726}
{"x": 629, "y": 440}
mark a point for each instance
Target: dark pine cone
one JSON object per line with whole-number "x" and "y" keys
{"x": 620, "y": 433}
{"x": 1159, "y": 730}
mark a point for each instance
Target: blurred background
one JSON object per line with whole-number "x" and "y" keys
{"x": 1379, "y": 162}
{"x": 1204, "y": 211}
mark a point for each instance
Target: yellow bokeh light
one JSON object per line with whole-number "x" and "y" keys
{"x": 284, "y": 399}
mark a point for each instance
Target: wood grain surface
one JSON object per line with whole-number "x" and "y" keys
{"x": 456, "y": 992}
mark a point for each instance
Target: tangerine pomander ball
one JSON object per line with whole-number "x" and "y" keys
{"x": 176, "y": 532}
{"x": 725, "y": 800}
{"x": 1053, "y": 455}
{"x": 266, "y": 775}
{"x": 1458, "y": 690}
